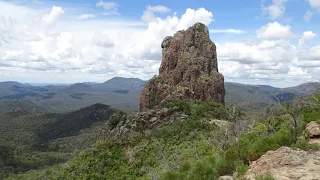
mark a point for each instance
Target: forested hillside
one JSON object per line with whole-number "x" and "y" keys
{"x": 210, "y": 142}
{"x": 31, "y": 138}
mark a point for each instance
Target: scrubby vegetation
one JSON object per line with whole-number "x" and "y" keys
{"x": 213, "y": 140}
{"x": 265, "y": 176}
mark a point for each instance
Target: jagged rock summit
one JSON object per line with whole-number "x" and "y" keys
{"x": 189, "y": 70}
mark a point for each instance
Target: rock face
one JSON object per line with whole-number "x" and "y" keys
{"x": 286, "y": 164}
{"x": 313, "y": 129}
{"x": 189, "y": 70}
{"x": 124, "y": 124}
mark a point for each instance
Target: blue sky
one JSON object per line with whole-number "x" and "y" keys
{"x": 244, "y": 14}
{"x": 272, "y": 42}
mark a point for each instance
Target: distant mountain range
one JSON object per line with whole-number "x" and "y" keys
{"x": 124, "y": 93}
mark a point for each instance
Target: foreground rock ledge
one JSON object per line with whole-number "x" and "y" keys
{"x": 287, "y": 164}
{"x": 189, "y": 70}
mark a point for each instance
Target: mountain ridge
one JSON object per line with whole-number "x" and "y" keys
{"x": 123, "y": 93}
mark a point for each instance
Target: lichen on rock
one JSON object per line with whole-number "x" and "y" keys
{"x": 188, "y": 70}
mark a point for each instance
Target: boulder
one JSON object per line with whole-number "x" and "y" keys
{"x": 225, "y": 178}
{"x": 286, "y": 164}
{"x": 313, "y": 129}
{"x": 188, "y": 70}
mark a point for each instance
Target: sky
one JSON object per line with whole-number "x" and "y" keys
{"x": 273, "y": 42}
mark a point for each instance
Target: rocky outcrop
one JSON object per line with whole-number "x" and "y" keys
{"x": 313, "y": 129}
{"x": 121, "y": 124}
{"x": 189, "y": 70}
{"x": 287, "y": 164}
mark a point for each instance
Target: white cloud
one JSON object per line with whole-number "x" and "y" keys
{"x": 232, "y": 31}
{"x": 53, "y": 16}
{"x": 148, "y": 14}
{"x": 275, "y": 31}
{"x": 256, "y": 52}
{"x": 308, "y": 15}
{"x": 315, "y": 4}
{"x": 298, "y": 72}
{"x": 159, "y": 8}
{"x": 312, "y": 54}
{"x": 193, "y": 16}
{"x": 149, "y": 46}
{"x": 105, "y": 47}
{"x": 307, "y": 36}
{"x": 270, "y": 58}
{"x": 103, "y": 40}
{"x": 107, "y": 5}
{"x": 111, "y": 8}
{"x": 37, "y": 1}
{"x": 86, "y": 16}
{"x": 98, "y": 49}
{"x": 276, "y": 9}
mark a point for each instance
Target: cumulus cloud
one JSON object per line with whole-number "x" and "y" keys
{"x": 103, "y": 40}
{"x": 159, "y": 8}
{"x": 257, "y": 52}
{"x": 192, "y": 16}
{"x": 106, "y": 48}
{"x": 312, "y": 54}
{"x": 107, "y": 5}
{"x": 149, "y": 46}
{"x": 231, "y": 31}
{"x": 270, "y": 57}
{"x": 315, "y": 4}
{"x": 307, "y": 36}
{"x": 98, "y": 49}
{"x": 86, "y": 16}
{"x": 308, "y": 15}
{"x": 111, "y": 8}
{"x": 276, "y": 9}
{"x": 275, "y": 31}
{"x": 149, "y": 13}
{"x": 53, "y": 16}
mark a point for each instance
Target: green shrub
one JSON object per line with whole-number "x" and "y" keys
{"x": 265, "y": 176}
{"x": 301, "y": 144}
{"x": 209, "y": 167}
{"x": 283, "y": 137}
{"x": 315, "y": 146}
{"x": 241, "y": 169}
{"x": 198, "y": 109}
{"x": 252, "y": 146}
{"x": 310, "y": 114}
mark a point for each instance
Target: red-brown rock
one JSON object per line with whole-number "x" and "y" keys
{"x": 189, "y": 70}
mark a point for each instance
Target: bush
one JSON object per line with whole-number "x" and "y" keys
{"x": 253, "y": 146}
{"x": 209, "y": 167}
{"x": 301, "y": 144}
{"x": 198, "y": 109}
{"x": 310, "y": 114}
{"x": 241, "y": 169}
{"x": 265, "y": 176}
{"x": 315, "y": 146}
